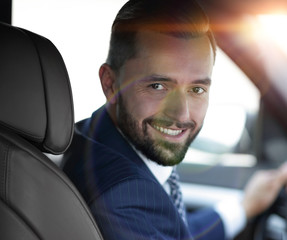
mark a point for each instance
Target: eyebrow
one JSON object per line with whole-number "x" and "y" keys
{"x": 205, "y": 81}
{"x": 162, "y": 78}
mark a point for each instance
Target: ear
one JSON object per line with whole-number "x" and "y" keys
{"x": 108, "y": 81}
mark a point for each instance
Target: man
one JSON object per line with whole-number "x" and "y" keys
{"x": 156, "y": 80}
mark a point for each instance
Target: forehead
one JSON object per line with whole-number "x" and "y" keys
{"x": 176, "y": 58}
{"x": 154, "y": 43}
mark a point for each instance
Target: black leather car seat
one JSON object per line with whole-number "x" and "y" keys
{"x": 37, "y": 200}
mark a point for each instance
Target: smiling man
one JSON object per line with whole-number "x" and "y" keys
{"x": 156, "y": 80}
{"x": 161, "y": 109}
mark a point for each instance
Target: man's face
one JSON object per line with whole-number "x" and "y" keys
{"x": 163, "y": 95}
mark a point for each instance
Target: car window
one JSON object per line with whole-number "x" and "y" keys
{"x": 234, "y": 103}
{"x": 81, "y": 31}
{"x": 228, "y": 135}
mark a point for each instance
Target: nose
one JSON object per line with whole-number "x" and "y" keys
{"x": 177, "y": 106}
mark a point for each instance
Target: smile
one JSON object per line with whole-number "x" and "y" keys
{"x": 168, "y": 131}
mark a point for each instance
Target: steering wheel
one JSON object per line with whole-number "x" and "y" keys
{"x": 272, "y": 224}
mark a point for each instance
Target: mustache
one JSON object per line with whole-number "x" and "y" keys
{"x": 167, "y": 122}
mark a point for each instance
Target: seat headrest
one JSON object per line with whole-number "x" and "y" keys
{"x": 35, "y": 93}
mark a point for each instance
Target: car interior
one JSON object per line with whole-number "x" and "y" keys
{"x": 37, "y": 111}
{"x": 37, "y": 200}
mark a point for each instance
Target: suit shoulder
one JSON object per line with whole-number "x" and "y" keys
{"x": 94, "y": 168}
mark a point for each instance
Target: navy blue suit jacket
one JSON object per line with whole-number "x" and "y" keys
{"x": 126, "y": 200}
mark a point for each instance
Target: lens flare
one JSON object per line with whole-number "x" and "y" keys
{"x": 274, "y": 25}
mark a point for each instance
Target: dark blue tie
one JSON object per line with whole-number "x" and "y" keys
{"x": 176, "y": 194}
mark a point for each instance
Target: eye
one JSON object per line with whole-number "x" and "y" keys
{"x": 157, "y": 86}
{"x": 198, "y": 90}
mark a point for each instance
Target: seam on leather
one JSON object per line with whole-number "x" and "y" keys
{"x": 9, "y": 149}
{"x": 65, "y": 181}
{"x": 20, "y": 132}
{"x": 4, "y": 172}
{"x": 20, "y": 220}
{"x": 8, "y": 175}
{"x": 27, "y": 34}
{"x": 42, "y": 74}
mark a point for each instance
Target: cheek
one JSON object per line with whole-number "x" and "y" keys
{"x": 198, "y": 111}
{"x": 139, "y": 105}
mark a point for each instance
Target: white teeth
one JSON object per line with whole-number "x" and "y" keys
{"x": 168, "y": 131}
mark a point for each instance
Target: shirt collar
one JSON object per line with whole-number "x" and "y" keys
{"x": 161, "y": 173}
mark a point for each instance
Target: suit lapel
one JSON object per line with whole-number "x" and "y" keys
{"x": 100, "y": 128}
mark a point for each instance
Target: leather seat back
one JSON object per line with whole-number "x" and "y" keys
{"x": 37, "y": 200}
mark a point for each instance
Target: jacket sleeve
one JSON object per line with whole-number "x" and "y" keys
{"x": 206, "y": 224}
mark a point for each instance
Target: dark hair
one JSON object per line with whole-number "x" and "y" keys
{"x": 179, "y": 18}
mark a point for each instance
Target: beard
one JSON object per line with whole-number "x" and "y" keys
{"x": 156, "y": 149}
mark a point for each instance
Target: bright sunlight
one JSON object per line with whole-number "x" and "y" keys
{"x": 275, "y": 27}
